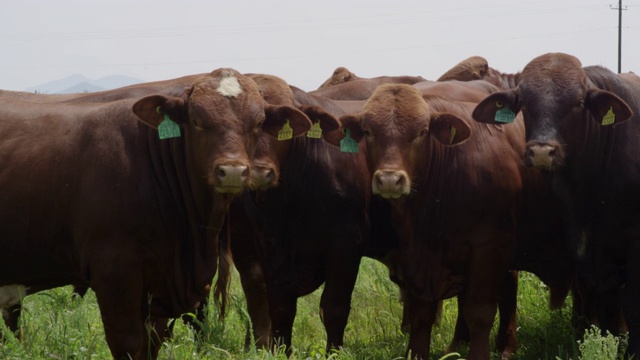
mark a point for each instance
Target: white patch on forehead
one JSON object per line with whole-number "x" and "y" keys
{"x": 229, "y": 86}
{"x": 11, "y": 295}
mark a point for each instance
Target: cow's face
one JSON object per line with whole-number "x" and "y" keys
{"x": 558, "y": 104}
{"x": 271, "y": 152}
{"x": 397, "y": 125}
{"x": 221, "y": 118}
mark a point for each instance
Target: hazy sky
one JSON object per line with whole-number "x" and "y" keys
{"x": 302, "y": 41}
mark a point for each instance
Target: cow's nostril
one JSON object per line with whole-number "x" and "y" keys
{"x": 220, "y": 173}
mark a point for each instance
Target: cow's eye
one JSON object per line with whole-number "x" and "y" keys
{"x": 423, "y": 133}
{"x": 366, "y": 133}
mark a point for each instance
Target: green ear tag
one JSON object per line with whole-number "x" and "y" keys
{"x": 609, "y": 118}
{"x": 505, "y": 116}
{"x": 453, "y": 135}
{"x": 286, "y": 132}
{"x": 347, "y": 144}
{"x": 315, "y": 131}
{"x": 168, "y": 129}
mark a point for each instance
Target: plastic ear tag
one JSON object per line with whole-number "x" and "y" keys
{"x": 505, "y": 116}
{"x": 499, "y": 104}
{"x": 286, "y": 132}
{"x": 315, "y": 131}
{"x": 168, "y": 129}
{"x": 453, "y": 135}
{"x": 609, "y": 118}
{"x": 347, "y": 144}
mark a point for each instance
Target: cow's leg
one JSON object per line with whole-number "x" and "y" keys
{"x": 631, "y": 299}
{"x": 335, "y": 303}
{"x": 121, "y": 301}
{"x": 197, "y": 322}
{"x": 423, "y": 315}
{"x": 11, "y": 316}
{"x": 282, "y": 307}
{"x": 506, "y": 339}
{"x": 157, "y": 333}
{"x": 608, "y": 310}
{"x": 255, "y": 291}
{"x": 482, "y": 293}
{"x": 461, "y": 333}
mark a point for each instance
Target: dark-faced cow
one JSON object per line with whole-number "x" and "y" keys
{"x": 127, "y": 197}
{"x": 583, "y": 128}
{"x": 454, "y": 199}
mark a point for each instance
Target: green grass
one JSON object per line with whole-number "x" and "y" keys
{"x": 58, "y": 326}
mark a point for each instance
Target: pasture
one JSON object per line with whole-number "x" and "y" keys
{"x": 58, "y": 326}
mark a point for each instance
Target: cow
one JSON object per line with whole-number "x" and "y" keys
{"x": 477, "y": 68}
{"x": 582, "y": 128}
{"x": 340, "y": 75}
{"x": 343, "y": 75}
{"x": 362, "y": 88}
{"x": 128, "y": 197}
{"x": 308, "y": 224}
{"x": 454, "y": 199}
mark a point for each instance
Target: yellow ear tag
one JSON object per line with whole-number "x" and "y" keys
{"x": 347, "y": 144}
{"x": 609, "y": 118}
{"x": 286, "y": 132}
{"x": 453, "y": 135}
{"x": 168, "y": 129}
{"x": 499, "y": 104}
{"x": 315, "y": 131}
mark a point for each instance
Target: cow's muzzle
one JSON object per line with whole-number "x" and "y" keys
{"x": 263, "y": 177}
{"x": 231, "y": 178}
{"x": 543, "y": 155}
{"x": 391, "y": 184}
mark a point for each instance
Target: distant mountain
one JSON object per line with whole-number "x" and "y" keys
{"x": 79, "y": 83}
{"x": 83, "y": 87}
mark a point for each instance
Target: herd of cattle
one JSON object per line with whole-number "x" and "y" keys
{"x": 144, "y": 193}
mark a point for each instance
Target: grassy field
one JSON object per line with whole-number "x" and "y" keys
{"x": 57, "y": 326}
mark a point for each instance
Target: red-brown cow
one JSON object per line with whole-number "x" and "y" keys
{"x": 126, "y": 197}
{"x": 343, "y": 75}
{"x": 308, "y": 225}
{"x": 361, "y": 89}
{"x": 477, "y": 68}
{"x": 583, "y": 127}
{"x": 454, "y": 207}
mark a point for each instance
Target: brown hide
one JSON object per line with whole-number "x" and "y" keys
{"x": 132, "y": 216}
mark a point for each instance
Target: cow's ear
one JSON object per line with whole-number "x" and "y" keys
{"x": 285, "y": 122}
{"x": 323, "y": 122}
{"x": 351, "y": 122}
{"x": 449, "y": 129}
{"x": 152, "y": 109}
{"x": 607, "y": 108}
{"x": 498, "y": 108}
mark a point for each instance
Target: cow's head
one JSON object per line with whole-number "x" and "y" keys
{"x": 221, "y": 116}
{"x": 271, "y": 152}
{"x": 558, "y": 102}
{"x": 398, "y": 127}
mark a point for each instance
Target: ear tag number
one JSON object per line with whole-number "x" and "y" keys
{"x": 286, "y": 132}
{"x": 347, "y": 144}
{"x": 609, "y": 118}
{"x": 453, "y": 135}
{"x": 168, "y": 129}
{"x": 315, "y": 131}
{"x": 505, "y": 116}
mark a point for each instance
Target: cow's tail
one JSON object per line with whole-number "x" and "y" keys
{"x": 225, "y": 260}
